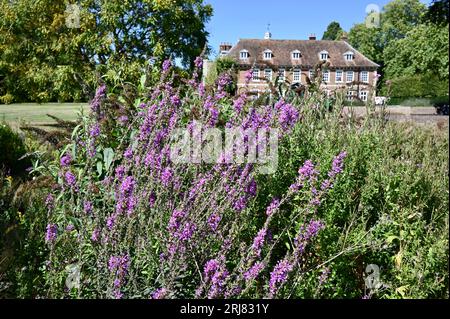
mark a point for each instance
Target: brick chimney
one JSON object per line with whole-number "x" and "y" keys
{"x": 312, "y": 36}
{"x": 224, "y": 48}
{"x": 344, "y": 37}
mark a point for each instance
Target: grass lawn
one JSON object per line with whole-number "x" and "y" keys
{"x": 36, "y": 114}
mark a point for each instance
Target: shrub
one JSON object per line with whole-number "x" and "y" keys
{"x": 13, "y": 148}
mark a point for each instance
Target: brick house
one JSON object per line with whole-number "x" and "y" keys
{"x": 294, "y": 60}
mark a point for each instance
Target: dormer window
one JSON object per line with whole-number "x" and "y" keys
{"x": 267, "y": 55}
{"x": 324, "y": 55}
{"x": 243, "y": 54}
{"x": 349, "y": 56}
{"x": 296, "y": 55}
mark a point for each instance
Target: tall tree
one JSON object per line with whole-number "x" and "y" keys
{"x": 43, "y": 55}
{"x": 333, "y": 32}
{"x": 438, "y": 12}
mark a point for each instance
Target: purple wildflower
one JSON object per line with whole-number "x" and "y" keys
{"x": 120, "y": 172}
{"x": 288, "y": 116}
{"x": 213, "y": 221}
{"x": 70, "y": 227}
{"x": 254, "y": 271}
{"x": 337, "y": 165}
{"x": 70, "y": 178}
{"x": 273, "y": 206}
{"x": 166, "y": 65}
{"x": 52, "y": 230}
{"x": 198, "y": 62}
{"x": 66, "y": 160}
{"x": 95, "y": 130}
{"x": 187, "y": 232}
{"x": 128, "y": 154}
{"x": 87, "y": 205}
{"x": 175, "y": 100}
{"x": 279, "y": 275}
{"x": 159, "y": 293}
{"x": 127, "y": 185}
{"x": 95, "y": 235}
{"x": 49, "y": 201}
{"x": 166, "y": 176}
{"x": 258, "y": 241}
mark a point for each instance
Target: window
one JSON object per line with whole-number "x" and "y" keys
{"x": 326, "y": 76}
{"x": 297, "y": 76}
{"x": 349, "y": 95}
{"x": 281, "y": 75}
{"x": 244, "y": 54}
{"x": 311, "y": 74}
{"x": 267, "y": 55}
{"x": 324, "y": 55}
{"x": 255, "y": 75}
{"x": 268, "y": 74}
{"x": 339, "y": 76}
{"x": 349, "y": 56}
{"x": 296, "y": 55}
{"x": 363, "y": 96}
{"x": 365, "y": 76}
{"x": 349, "y": 76}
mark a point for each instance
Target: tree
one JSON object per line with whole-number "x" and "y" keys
{"x": 399, "y": 17}
{"x": 42, "y": 57}
{"x": 438, "y": 12}
{"x": 333, "y": 32}
{"x": 423, "y": 50}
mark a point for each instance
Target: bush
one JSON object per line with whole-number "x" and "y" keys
{"x": 420, "y": 85}
{"x": 12, "y": 149}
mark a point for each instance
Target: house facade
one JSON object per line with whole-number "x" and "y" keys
{"x": 295, "y": 60}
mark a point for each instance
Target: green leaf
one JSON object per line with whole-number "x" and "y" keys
{"x": 108, "y": 155}
{"x": 99, "y": 168}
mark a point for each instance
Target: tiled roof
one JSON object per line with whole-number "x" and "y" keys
{"x": 310, "y": 50}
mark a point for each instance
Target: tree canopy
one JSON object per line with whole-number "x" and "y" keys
{"x": 45, "y": 57}
{"x": 333, "y": 32}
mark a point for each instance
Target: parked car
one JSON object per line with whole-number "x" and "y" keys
{"x": 441, "y": 108}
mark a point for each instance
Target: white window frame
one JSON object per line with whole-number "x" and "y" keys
{"x": 268, "y": 74}
{"x": 363, "y": 95}
{"x": 281, "y": 74}
{"x": 297, "y": 73}
{"x": 327, "y": 73}
{"x": 349, "y": 56}
{"x": 347, "y": 73}
{"x": 243, "y": 52}
{"x": 342, "y": 76}
{"x": 311, "y": 74}
{"x": 255, "y": 75}
{"x": 364, "y": 76}
{"x": 266, "y": 53}
{"x": 349, "y": 95}
{"x": 324, "y": 55}
{"x": 296, "y": 55}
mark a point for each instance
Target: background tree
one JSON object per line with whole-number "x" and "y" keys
{"x": 333, "y": 32}
{"x": 42, "y": 59}
{"x": 438, "y": 12}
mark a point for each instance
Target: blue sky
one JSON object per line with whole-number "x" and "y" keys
{"x": 289, "y": 19}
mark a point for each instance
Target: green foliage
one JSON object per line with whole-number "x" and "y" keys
{"x": 12, "y": 149}
{"x": 438, "y": 12}
{"x": 41, "y": 59}
{"x": 389, "y": 208}
{"x": 420, "y": 85}
{"x": 333, "y": 32}
{"x": 423, "y": 50}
